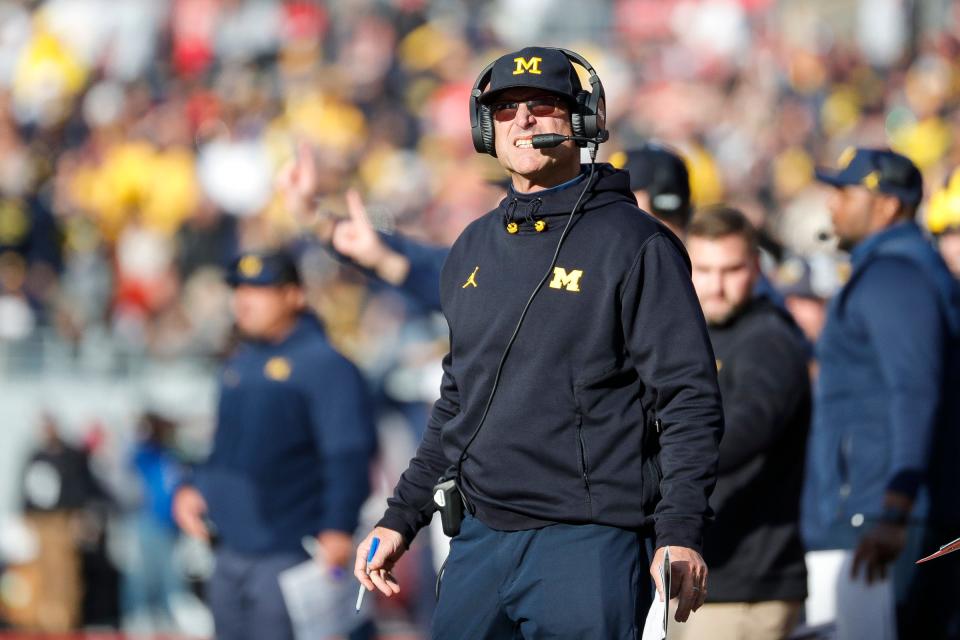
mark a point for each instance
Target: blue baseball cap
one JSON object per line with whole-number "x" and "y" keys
{"x": 535, "y": 68}
{"x": 263, "y": 269}
{"x": 879, "y": 170}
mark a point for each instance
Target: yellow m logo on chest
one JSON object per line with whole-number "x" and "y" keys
{"x": 563, "y": 280}
{"x": 527, "y": 66}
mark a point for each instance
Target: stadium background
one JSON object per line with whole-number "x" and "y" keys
{"x": 139, "y": 141}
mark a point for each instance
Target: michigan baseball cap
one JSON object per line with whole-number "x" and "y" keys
{"x": 879, "y": 170}
{"x": 660, "y": 172}
{"x": 535, "y": 68}
{"x": 263, "y": 269}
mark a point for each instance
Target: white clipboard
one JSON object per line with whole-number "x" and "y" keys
{"x": 320, "y": 604}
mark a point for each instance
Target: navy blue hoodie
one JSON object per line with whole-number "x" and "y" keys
{"x": 294, "y": 441}
{"x": 614, "y": 341}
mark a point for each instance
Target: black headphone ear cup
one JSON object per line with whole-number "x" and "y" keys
{"x": 601, "y": 113}
{"x": 486, "y": 130}
{"x": 577, "y": 113}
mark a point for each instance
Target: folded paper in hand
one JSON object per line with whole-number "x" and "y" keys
{"x": 655, "y": 627}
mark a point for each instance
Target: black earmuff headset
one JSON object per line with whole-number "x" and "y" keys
{"x": 587, "y": 117}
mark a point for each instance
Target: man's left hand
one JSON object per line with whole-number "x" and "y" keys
{"x": 877, "y": 549}
{"x": 688, "y": 579}
{"x": 337, "y": 548}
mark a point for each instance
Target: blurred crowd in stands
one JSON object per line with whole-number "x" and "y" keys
{"x": 140, "y": 143}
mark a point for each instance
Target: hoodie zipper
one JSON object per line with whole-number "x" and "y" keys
{"x": 582, "y": 458}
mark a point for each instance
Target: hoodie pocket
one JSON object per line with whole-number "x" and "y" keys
{"x": 610, "y": 426}
{"x": 855, "y": 453}
{"x": 650, "y": 466}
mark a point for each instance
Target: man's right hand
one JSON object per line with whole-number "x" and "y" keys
{"x": 356, "y": 238}
{"x": 189, "y": 507}
{"x": 376, "y": 574}
{"x": 688, "y": 579}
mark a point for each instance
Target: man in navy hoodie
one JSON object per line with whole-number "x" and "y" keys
{"x": 882, "y": 470}
{"x": 291, "y": 452}
{"x": 548, "y": 442}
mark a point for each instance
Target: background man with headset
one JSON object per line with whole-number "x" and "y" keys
{"x": 566, "y": 361}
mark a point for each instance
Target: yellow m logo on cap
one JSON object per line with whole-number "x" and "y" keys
{"x": 563, "y": 280}
{"x": 250, "y": 266}
{"x": 527, "y": 66}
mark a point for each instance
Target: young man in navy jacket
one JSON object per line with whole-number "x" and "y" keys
{"x": 291, "y": 453}
{"x": 758, "y": 580}
{"x": 612, "y": 360}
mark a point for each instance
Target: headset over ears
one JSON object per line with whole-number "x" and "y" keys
{"x": 587, "y": 115}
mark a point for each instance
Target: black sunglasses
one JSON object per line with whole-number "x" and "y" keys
{"x": 542, "y": 107}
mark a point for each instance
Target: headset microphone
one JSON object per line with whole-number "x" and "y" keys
{"x": 547, "y": 140}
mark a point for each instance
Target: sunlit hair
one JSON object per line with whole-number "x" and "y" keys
{"x": 722, "y": 221}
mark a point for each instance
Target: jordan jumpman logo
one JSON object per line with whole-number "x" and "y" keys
{"x": 472, "y": 280}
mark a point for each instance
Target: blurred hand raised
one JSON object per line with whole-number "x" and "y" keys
{"x": 189, "y": 507}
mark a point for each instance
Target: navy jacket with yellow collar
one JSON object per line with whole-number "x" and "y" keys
{"x": 293, "y": 444}
{"x": 614, "y": 341}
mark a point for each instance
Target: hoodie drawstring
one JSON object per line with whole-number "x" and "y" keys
{"x": 511, "y": 226}
{"x": 529, "y": 216}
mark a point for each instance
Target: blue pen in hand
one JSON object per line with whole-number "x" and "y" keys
{"x": 373, "y": 551}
